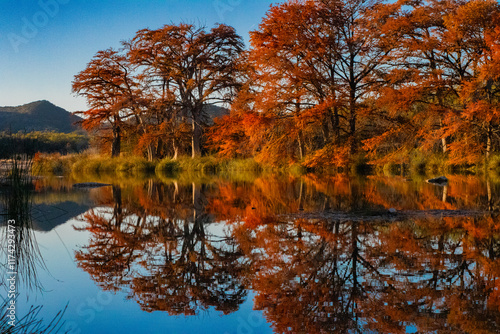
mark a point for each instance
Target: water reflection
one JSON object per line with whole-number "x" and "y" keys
{"x": 20, "y": 253}
{"x": 183, "y": 248}
{"x": 20, "y": 256}
{"x": 157, "y": 244}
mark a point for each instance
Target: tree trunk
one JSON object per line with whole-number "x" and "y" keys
{"x": 445, "y": 194}
{"x": 301, "y": 145}
{"x": 176, "y": 191}
{"x": 354, "y": 258}
{"x": 490, "y": 197}
{"x": 352, "y": 120}
{"x": 151, "y": 152}
{"x": 335, "y": 119}
{"x": 444, "y": 144}
{"x": 197, "y": 202}
{"x": 489, "y": 142}
{"x": 116, "y": 145}
{"x": 176, "y": 149}
{"x": 326, "y": 132}
{"x": 196, "y": 137}
{"x": 117, "y": 209}
{"x": 301, "y": 194}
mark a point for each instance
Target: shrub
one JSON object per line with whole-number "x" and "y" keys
{"x": 494, "y": 162}
{"x": 391, "y": 169}
{"x": 52, "y": 164}
{"x": 297, "y": 169}
{"x": 437, "y": 164}
{"x": 244, "y": 165}
{"x": 168, "y": 166}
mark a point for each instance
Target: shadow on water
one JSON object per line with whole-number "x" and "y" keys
{"x": 21, "y": 257}
{"x": 183, "y": 248}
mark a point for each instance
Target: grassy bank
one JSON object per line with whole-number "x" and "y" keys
{"x": 81, "y": 164}
{"x": 84, "y": 164}
{"x": 430, "y": 165}
{"x": 90, "y": 164}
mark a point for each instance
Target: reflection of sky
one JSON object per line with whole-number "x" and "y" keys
{"x": 43, "y": 46}
{"x": 411, "y": 329}
{"x": 67, "y": 283}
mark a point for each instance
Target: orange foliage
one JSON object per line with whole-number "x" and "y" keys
{"x": 322, "y": 80}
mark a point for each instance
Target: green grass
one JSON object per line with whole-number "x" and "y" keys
{"x": 54, "y": 164}
{"x": 98, "y": 167}
{"x": 16, "y": 200}
{"x": 494, "y": 162}
{"x": 426, "y": 165}
{"x": 437, "y": 164}
{"x": 133, "y": 165}
{"x": 167, "y": 166}
{"x": 241, "y": 165}
{"x": 94, "y": 166}
{"x": 297, "y": 170}
{"x": 208, "y": 165}
{"x": 391, "y": 169}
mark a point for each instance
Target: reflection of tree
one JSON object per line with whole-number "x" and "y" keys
{"x": 114, "y": 244}
{"x": 330, "y": 276}
{"x": 271, "y": 196}
{"x": 156, "y": 244}
{"x": 322, "y": 276}
{"x": 443, "y": 274}
{"x": 310, "y": 275}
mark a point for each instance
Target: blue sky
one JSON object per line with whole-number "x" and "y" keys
{"x": 44, "y": 43}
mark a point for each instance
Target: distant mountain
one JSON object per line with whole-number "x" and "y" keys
{"x": 37, "y": 116}
{"x": 213, "y": 111}
{"x": 45, "y": 116}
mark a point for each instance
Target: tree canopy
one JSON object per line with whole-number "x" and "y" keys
{"x": 323, "y": 83}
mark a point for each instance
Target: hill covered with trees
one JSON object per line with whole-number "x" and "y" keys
{"x": 37, "y": 116}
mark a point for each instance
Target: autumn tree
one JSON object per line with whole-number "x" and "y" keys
{"x": 439, "y": 45}
{"x": 292, "y": 74}
{"x": 191, "y": 66}
{"x": 109, "y": 87}
{"x": 479, "y": 122}
{"x": 313, "y": 64}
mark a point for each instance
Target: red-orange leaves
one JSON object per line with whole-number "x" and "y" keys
{"x": 110, "y": 90}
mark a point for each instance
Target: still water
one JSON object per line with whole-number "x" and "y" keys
{"x": 266, "y": 254}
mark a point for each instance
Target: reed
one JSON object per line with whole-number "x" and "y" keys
{"x": 16, "y": 198}
{"x": 31, "y": 322}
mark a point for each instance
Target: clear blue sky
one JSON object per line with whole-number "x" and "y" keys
{"x": 44, "y": 43}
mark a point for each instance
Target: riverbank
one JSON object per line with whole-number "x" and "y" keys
{"x": 56, "y": 164}
{"x": 126, "y": 166}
